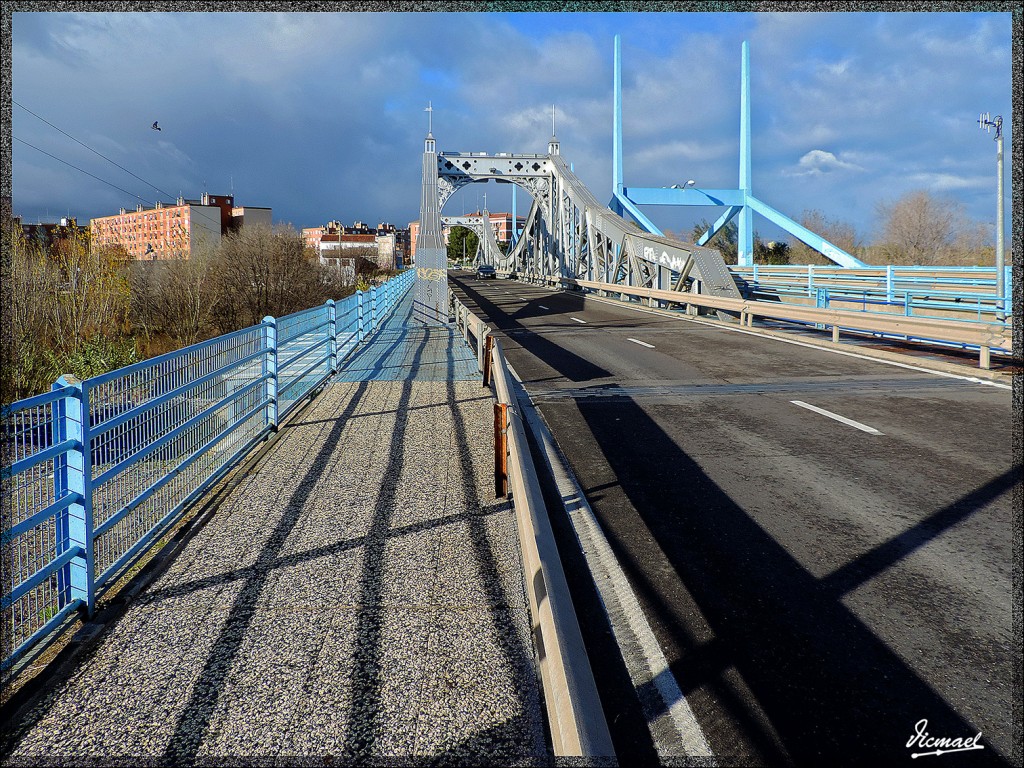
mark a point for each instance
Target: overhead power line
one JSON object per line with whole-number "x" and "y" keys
{"x": 162, "y": 192}
{"x": 37, "y": 149}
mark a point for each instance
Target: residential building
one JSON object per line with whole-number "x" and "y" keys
{"x": 172, "y": 231}
{"x": 331, "y": 240}
{"x": 44, "y": 234}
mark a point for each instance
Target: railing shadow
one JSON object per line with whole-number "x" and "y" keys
{"x": 569, "y": 365}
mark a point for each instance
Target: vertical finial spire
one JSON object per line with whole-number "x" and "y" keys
{"x": 430, "y": 116}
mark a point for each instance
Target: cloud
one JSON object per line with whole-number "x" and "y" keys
{"x": 320, "y": 115}
{"x": 817, "y": 162}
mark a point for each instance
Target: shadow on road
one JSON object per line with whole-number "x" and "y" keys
{"x": 571, "y": 366}
{"x": 832, "y": 692}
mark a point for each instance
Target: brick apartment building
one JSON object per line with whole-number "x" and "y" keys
{"x": 171, "y": 231}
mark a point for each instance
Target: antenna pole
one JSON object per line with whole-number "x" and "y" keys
{"x": 986, "y": 124}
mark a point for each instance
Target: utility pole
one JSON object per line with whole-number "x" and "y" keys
{"x": 987, "y": 124}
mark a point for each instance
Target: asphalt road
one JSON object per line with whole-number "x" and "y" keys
{"x": 817, "y": 586}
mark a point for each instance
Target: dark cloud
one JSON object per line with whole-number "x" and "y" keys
{"x": 321, "y": 115}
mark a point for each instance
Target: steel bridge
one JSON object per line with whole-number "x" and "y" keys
{"x": 572, "y": 241}
{"x": 98, "y": 471}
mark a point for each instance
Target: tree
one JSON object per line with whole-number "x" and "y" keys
{"x": 25, "y": 327}
{"x": 774, "y": 252}
{"x": 839, "y": 233}
{"x": 919, "y": 228}
{"x": 462, "y": 240}
{"x": 68, "y": 305}
{"x": 176, "y": 297}
{"x": 725, "y": 239}
{"x": 263, "y": 271}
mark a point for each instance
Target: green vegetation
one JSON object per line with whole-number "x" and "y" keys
{"x": 73, "y": 309}
{"x": 462, "y": 241}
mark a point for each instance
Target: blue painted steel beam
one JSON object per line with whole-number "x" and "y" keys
{"x": 817, "y": 242}
{"x": 23, "y": 465}
{"x": 63, "y": 560}
{"x": 741, "y": 201}
{"x": 32, "y": 521}
{"x": 72, "y": 474}
{"x": 724, "y": 219}
{"x": 54, "y": 622}
{"x": 617, "y": 182}
{"x": 745, "y": 234}
{"x": 627, "y": 206}
{"x": 693, "y": 196}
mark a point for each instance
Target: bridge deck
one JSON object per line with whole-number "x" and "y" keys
{"x": 359, "y": 593}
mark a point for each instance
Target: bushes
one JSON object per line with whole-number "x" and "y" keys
{"x": 66, "y": 310}
{"x": 82, "y": 311}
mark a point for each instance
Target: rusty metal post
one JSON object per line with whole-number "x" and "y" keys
{"x": 488, "y": 346}
{"x": 500, "y": 450}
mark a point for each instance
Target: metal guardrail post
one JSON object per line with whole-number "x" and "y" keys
{"x": 488, "y": 347}
{"x": 332, "y": 330}
{"x": 888, "y": 283}
{"x": 480, "y": 345}
{"x": 810, "y": 280}
{"x": 500, "y": 450}
{"x": 373, "y": 307}
{"x": 361, "y": 333}
{"x": 72, "y": 474}
{"x": 270, "y": 324}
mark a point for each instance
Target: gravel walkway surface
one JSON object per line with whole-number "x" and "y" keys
{"x": 358, "y": 597}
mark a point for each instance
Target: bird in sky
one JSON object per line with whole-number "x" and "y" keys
{"x": 156, "y": 126}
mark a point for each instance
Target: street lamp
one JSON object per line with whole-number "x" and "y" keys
{"x": 987, "y": 124}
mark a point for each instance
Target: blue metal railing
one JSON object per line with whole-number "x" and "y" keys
{"x": 966, "y": 294}
{"x": 96, "y": 470}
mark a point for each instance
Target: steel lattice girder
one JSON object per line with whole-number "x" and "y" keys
{"x": 569, "y": 233}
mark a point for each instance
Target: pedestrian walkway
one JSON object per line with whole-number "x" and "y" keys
{"x": 358, "y": 595}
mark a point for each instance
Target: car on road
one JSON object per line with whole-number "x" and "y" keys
{"x": 486, "y": 271}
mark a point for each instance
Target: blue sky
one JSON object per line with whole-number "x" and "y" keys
{"x": 321, "y": 115}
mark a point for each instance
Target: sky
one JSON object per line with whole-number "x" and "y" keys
{"x": 321, "y": 116}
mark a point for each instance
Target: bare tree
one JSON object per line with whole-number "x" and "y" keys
{"x": 919, "y": 228}
{"x": 176, "y": 297}
{"x": 260, "y": 272}
{"x": 839, "y": 233}
{"x": 68, "y": 304}
{"x": 26, "y": 284}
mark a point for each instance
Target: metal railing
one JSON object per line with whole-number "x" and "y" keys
{"x": 575, "y": 716}
{"x": 967, "y": 294}
{"x": 96, "y": 470}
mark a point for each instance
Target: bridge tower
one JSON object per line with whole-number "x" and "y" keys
{"x": 431, "y": 295}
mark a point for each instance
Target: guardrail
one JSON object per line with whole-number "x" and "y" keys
{"x": 967, "y": 293}
{"x": 96, "y": 470}
{"x": 575, "y": 715}
{"x": 985, "y": 337}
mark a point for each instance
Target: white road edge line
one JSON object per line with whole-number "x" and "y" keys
{"x": 542, "y": 306}
{"x": 641, "y": 343}
{"x": 836, "y": 416}
{"x": 578, "y": 320}
{"x": 972, "y": 379}
{"x": 647, "y": 665}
